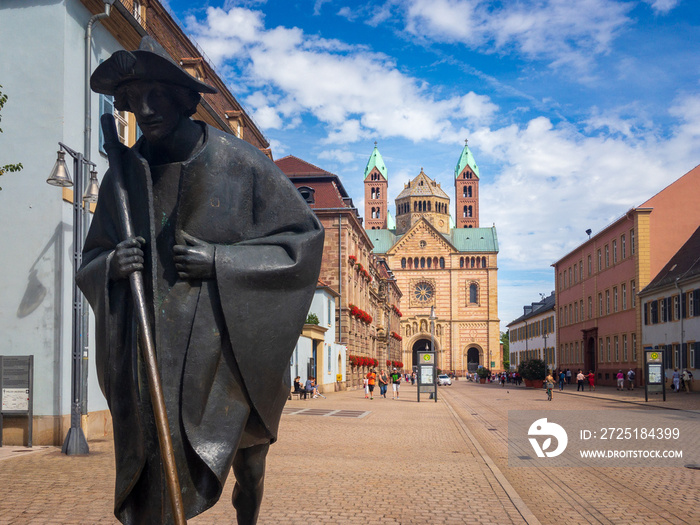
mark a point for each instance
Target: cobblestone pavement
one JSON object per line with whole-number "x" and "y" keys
{"x": 583, "y": 494}
{"x": 346, "y": 459}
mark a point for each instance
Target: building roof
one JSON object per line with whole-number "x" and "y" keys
{"x": 422, "y": 186}
{"x": 463, "y": 239}
{"x": 328, "y": 189}
{"x": 535, "y": 309}
{"x": 474, "y": 239}
{"x": 376, "y": 161}
{"x": 466, "y": 159}
{"x": 685, "y": 264}
{"x": 390, "y": 221}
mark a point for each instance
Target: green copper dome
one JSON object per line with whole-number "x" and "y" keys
{"x": 376, "y": 161}
{"x": 466, "y": 159}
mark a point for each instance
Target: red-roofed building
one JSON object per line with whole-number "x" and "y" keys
{"x": 365, "y": 284}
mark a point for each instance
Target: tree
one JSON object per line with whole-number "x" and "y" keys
{"x": 505, "y": 341}
{"x": 7, "y": 167}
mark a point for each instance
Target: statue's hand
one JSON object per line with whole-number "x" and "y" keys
{"x": 195, "y": 260}
{"x": 127, "y": 258}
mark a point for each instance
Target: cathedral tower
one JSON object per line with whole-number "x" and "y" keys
{"x": 422, "y": 198}
{"x": 376, "y": 190}
{"x": 467, "y": 190}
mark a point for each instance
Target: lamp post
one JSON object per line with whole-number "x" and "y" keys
{"x": 432, "y": 344}
{"x": 75, "y": 442}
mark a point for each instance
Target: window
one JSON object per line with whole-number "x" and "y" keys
{"x": 615, "y": 298}
{"x": 662, "y": 310}
{"x": 691, "y": 305}
{"x": 570, "y": 281}
{"x": 631, "y": 242}
{"x": 600, "y": 351}
{"x": 576, "y": 312}
{"x": 676, "y": 356}
{"x": 624, "y": 296}
{"x": 623, "y": 246}
{"x": 617, "y": 349}
{"x": 607, "y": 349}
{"x": 607, "y": 302}
{"x": 576, "y": 358}
{"x": 607, "y": 256}
{"x": 614, "y": 250}
{"x": 590, "y": 265}
{"x": 308, "y": 195}
{"x": 580, "y": 270}
{"x": 633, "y": 292}
{"x": 676, "y": 307}
{"x": 692, "y": 348}
{"x": 120, "y": 118}
{"x": 566, "y": 316}
{"x": 624, "y": 347}
{"x": 442, "y": 262}
{"x": 403, "y": 262}
{"x": 600, "y": 260}
{"x": 473, "y": 293}
{"x": 574, "y": 273}
{"x": 600, "y": 304}
{"x": 590, "y": 307}
{"x": 561, "y": 282}
{"x": 634, "y": 347}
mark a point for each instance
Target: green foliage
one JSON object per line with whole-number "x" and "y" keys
{"x": 483, "y": 372}
{"x": 312, "y": 319}
{"x": 7, "y": 167}
{"x": 533, "y": 369}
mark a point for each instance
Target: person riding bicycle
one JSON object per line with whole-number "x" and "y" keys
{"x": 549, "y": 383}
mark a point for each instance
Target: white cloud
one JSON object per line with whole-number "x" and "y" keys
{"x": 559, "y": 31}
{"x": 342, "y": 156}
{"x": 662, "y": 6}
{"x": 352, "y": 90}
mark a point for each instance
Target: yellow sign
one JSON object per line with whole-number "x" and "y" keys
{"x": 339, "y": 377}
{"x": 654, "y": 355}
{"x": 426, "y": 357}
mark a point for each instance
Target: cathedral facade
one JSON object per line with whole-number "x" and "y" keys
{"x": 441, "y": 265}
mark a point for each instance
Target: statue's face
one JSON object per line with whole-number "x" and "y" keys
{"x": 154, "y": 107}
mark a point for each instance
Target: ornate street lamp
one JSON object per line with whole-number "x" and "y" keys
{"x": 75, "y": 442}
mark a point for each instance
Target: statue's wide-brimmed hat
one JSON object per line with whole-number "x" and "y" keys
{"x": 149, "y": 62}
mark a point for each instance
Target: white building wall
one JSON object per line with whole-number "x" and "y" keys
{"x": 667, "y": 333}
{"x": 42, "y": 73}
{"x": 518, "y": 348}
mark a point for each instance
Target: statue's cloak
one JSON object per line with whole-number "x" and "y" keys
{"x": 268, "y": 247}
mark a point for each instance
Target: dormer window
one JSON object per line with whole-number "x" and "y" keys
{"x": 308, "y": 194}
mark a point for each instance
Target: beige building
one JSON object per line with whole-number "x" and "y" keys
{"x": 453, "y": 269}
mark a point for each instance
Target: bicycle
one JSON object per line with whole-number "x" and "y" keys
{"x": 550, "y": 386}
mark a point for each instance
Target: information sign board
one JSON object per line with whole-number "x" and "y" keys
{"x": 16, "y": 390}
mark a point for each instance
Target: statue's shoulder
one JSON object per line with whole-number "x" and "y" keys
{"x": 231, "y": 147}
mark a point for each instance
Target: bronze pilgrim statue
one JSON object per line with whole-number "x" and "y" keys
{"x": 229, "y": 256}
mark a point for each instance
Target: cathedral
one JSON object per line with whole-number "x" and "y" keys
{"x": 440, "y": 264}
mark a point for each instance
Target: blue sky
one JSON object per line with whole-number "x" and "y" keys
{"x": 575, "y": 110}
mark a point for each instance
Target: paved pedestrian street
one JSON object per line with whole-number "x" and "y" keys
{"x": 347, "y": 459}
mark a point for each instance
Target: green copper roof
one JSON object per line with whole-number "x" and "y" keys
{"x": 466, "y": 159}
{"x": 475, "y": 239}
{"x": 376, "y": 160}
{"x": 382, "y": 240}
{"x": 464, "y": 239}
{"x": 390, "y": 221}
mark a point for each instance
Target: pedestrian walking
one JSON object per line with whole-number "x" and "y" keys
{"x": 620, "y": 380}
{"x": 562, "y": 380}
{"x": 630, "y": 379}
{"x": 383, "y": 383}
{"x": 676, "y": 380}
{"x": 580, "y": 378}
{"x": 568, "y": 376}
{"x": 549, "y": 385}
{"x": 365, "y": 385}
{"x": 687, "y": 379}
{"x": 371, "y": 381}
{"x": 395, "y": 383}
{"x": 591, "y": 381}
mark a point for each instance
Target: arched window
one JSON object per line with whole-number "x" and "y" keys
{"x": 473, "y": 293}
{"x": 461, "y": 262}
{"x": 410, "y": 263}
{"x": 469, "y": 211}
{"x": 415, "y": 206}
{"x": 442, "y": 262}
{"x": 379, "y": 213}
{"x": 473, "y": 262}
{"x": 483, "y": 262}
{"x": 435, "y": 262}
{"x": 478, "y": 262}
{"x": 403, "y": 262}
{"x": 415, "y": 262}
{"x": 429, "y": 262}
{"x": 378, "y": 194}
{"x": 465, "y": 212}
{"x": 422, "y": 262}
{"x": 308, "y": 194}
